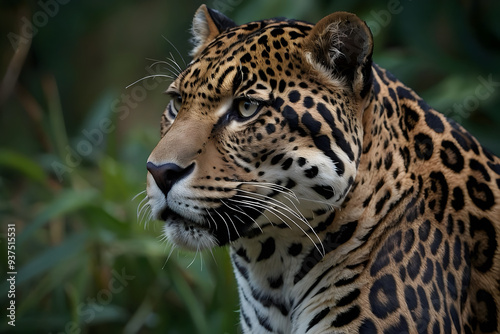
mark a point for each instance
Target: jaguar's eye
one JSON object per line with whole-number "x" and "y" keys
{"x": 176, "y": 103}
{"x": 247, "y": 108}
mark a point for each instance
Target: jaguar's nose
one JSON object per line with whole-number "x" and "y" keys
{"x": 168, "y": 174}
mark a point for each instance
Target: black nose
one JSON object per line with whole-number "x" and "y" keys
{"x": 167, "y": 175}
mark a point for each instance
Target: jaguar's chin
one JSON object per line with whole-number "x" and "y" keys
{"x": 186, "y": 233}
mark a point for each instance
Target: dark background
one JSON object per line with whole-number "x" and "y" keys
{"x": 74, "y": 142}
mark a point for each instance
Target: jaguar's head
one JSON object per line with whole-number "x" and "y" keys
{"x": 263, "y": 129}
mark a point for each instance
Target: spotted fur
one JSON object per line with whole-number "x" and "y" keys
{"x": 349, "y": 205}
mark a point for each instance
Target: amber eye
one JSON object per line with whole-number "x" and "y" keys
{"x": 247, "y": 108}
{"x": 176, "y": 103}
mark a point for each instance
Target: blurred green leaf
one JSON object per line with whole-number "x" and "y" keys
{"x": 22, "y": 164}
{"x": 192, "y": 303}
{"x": 56, "y": 278}
{"x": 66, "y": 202}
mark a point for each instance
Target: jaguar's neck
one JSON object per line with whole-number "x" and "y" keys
{"x": 270, "y": 269}
{"x": 385, "y": 152}
{"x": 274, "y": 272}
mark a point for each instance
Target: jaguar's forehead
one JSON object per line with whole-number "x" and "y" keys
{"x": 240, "y": 56}
{"x": 270, "y": 34}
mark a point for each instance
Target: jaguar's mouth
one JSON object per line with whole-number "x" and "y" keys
{"x": 168, "y": 214}
{"x": 186, "y": 233}
{"x": 171, "y": 217}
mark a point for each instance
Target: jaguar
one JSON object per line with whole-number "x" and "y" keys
{"x": 349, "y": 205}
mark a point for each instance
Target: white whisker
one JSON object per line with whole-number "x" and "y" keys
{"x": 289, "y": 195}
{"x": 170, "y": 63}
{"x": 180, "y": 55}
{"x": 151, "y": 76}
{"x": 243, "y": 213}
{"x": 194, "y": 258}
{"x": 201, "y": 261}
{"x": 232, "y": 222}
{"x": 168, "y": 257}
{"x": 147, "y": 217}
{"x": 272, "y": 210}
{"x": 139, "y": 194}
{"x": 213, "y": 257}
{"x": 263, "y": 204}
{"x": 172, "y": 70}
{"x": 142, "y": 205}
{"x": 330, "y": 206}
{"x": 210, "y": 216}
{"x": 274, "y": 187}
{"x": 143, "y": 212}
{"x": 227, "y": 226}
{"x": 276, "y": 203}
{"x": 172, "y": 59}
{"x": 260, "y": 212}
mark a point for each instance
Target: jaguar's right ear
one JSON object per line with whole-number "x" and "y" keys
{"x": 207, "y": 24}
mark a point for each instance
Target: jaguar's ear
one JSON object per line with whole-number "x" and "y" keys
{"x": 340, "y": 46}
{"x": 207, "y": 24}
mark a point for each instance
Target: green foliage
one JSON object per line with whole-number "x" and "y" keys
{"x": 74, "y": 141}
